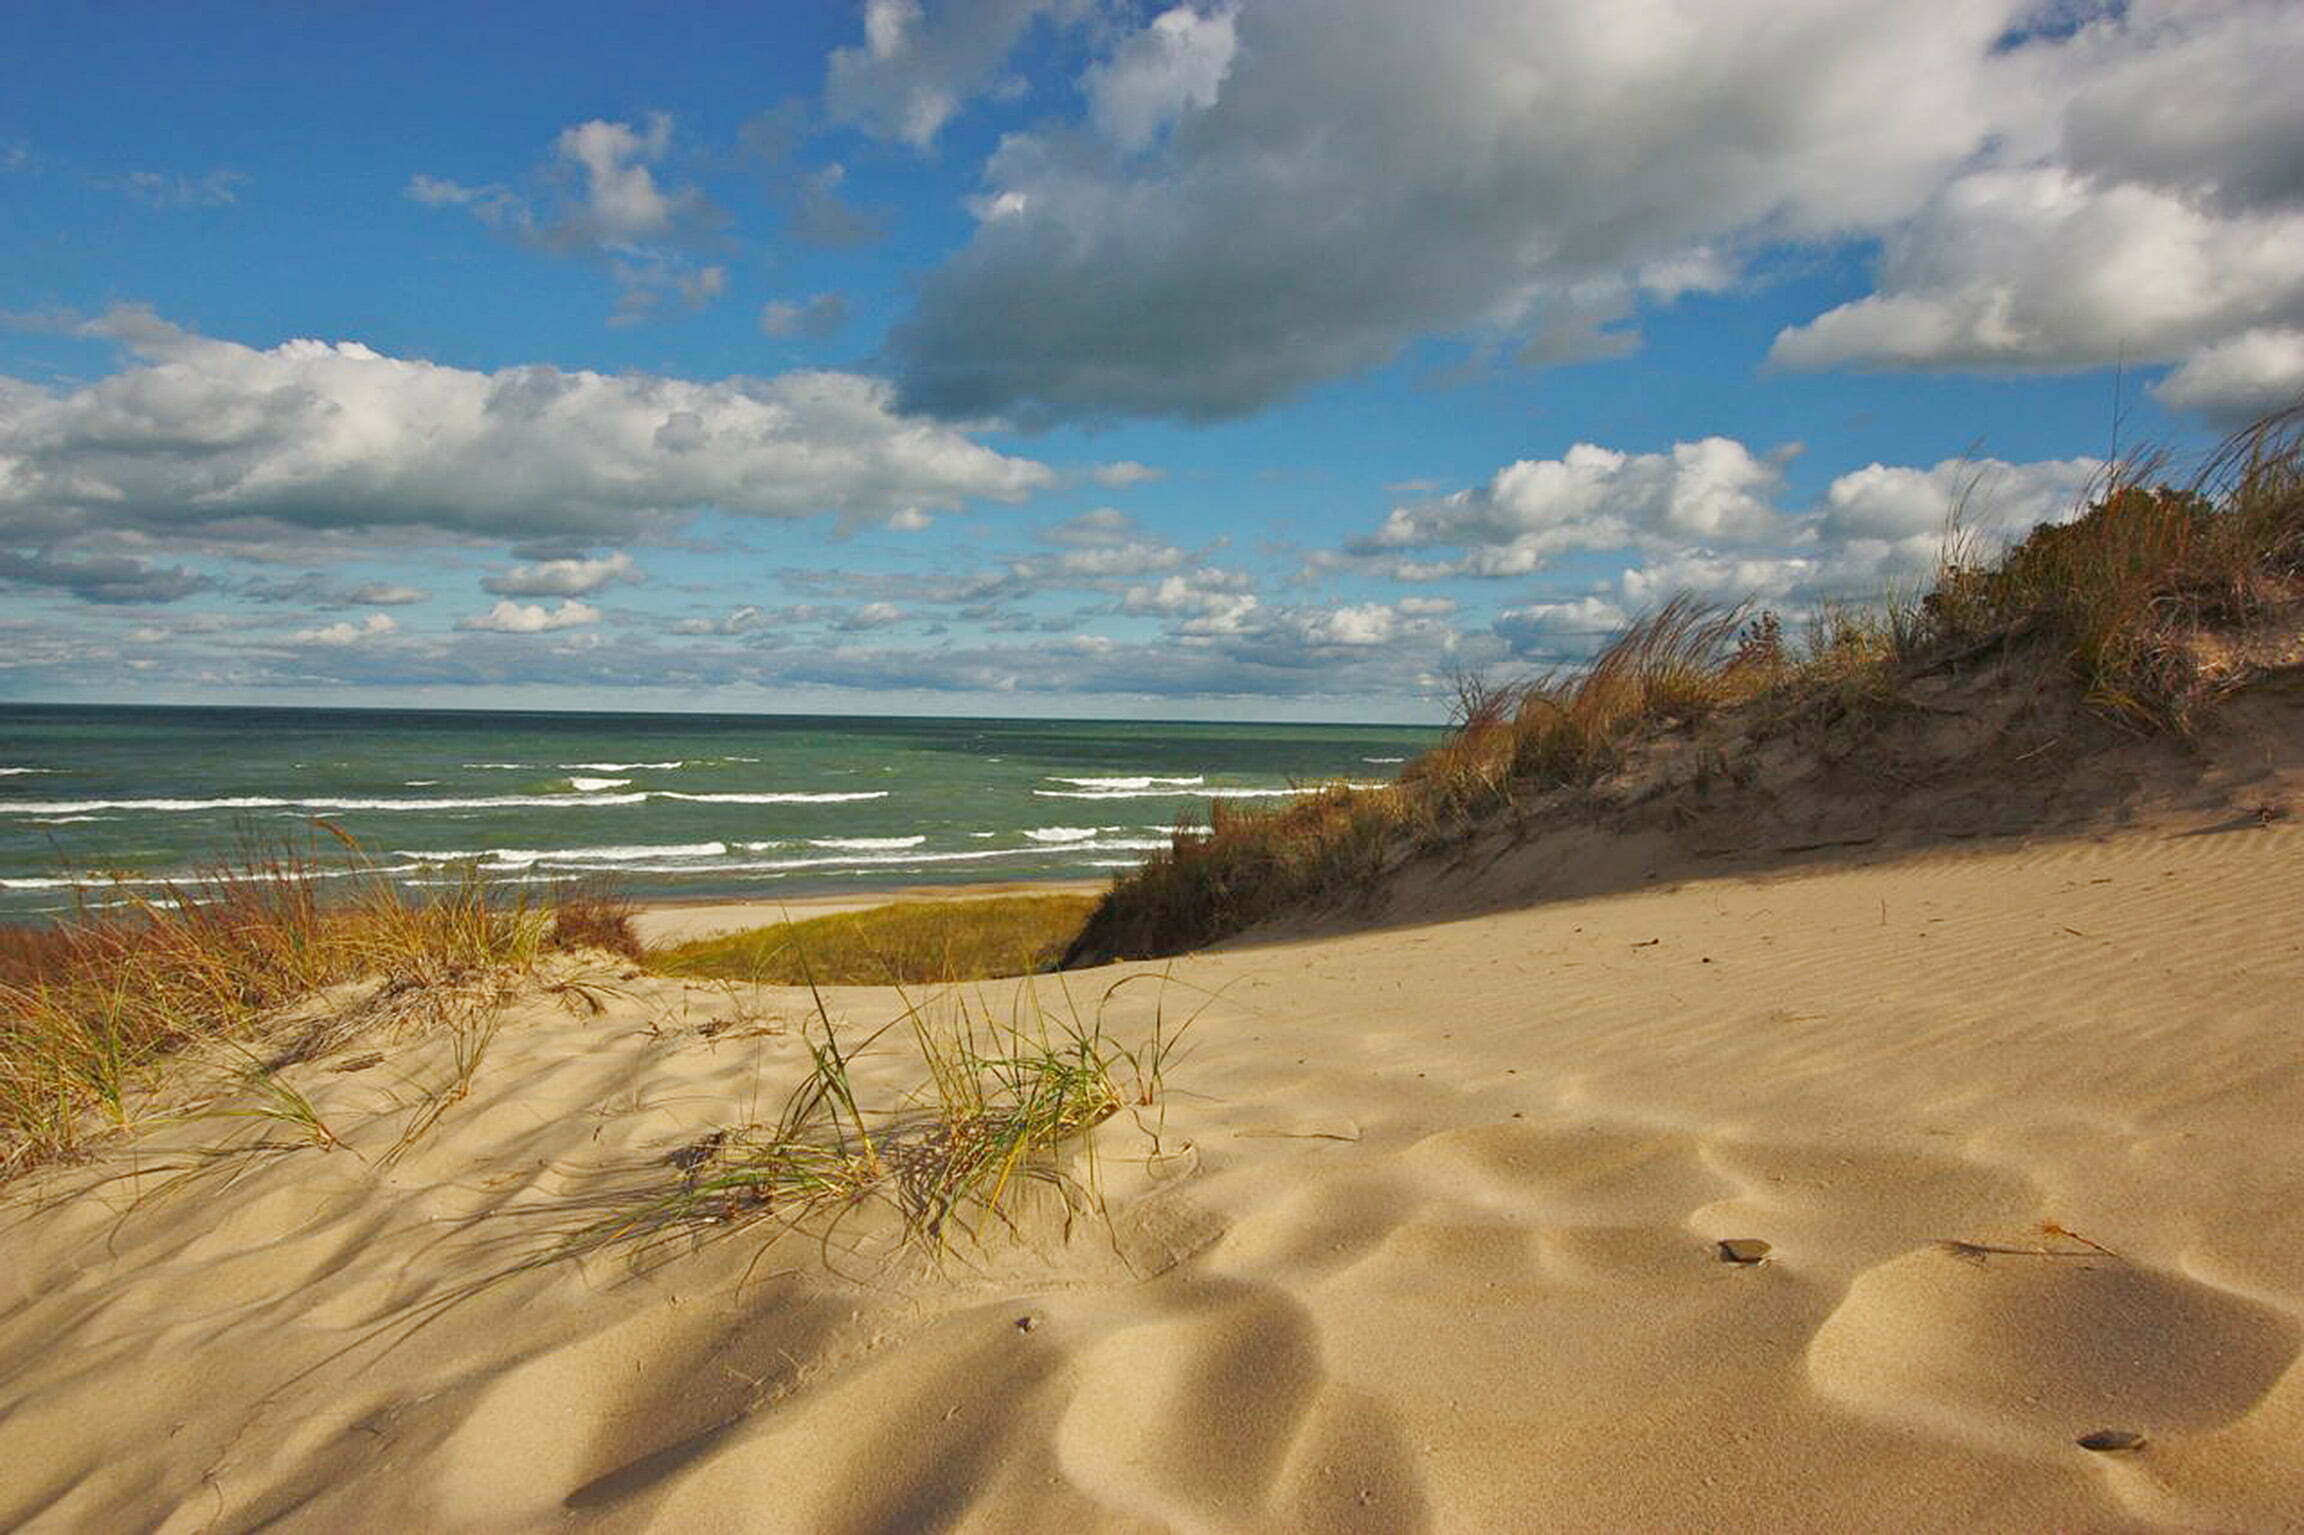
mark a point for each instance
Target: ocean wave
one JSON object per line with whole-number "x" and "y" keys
{"x": 521, "y": 857}
{"x": 1382, "y": 761}
{"x": 66, "y": 820}
{"x": 509, "y": 767}
{"x": 880, "y": 860}
{"x": 1146, "y": 781}
{"x": 420, "y": 783}
{"x": 190, "y": 882}
{"x": 866, "y": 844}
{"x": 17, "y": 772}
{"x": 767, "y": 799}
{"x": 624, "y": 767}
{"x": 595, "y": 785}
{"x": 1218, "y": 793}
{"x": 1060, "y": 833}
{"x": 269, "y": 802}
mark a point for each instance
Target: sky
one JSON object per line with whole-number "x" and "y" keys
{"x": 1233, "y": 359}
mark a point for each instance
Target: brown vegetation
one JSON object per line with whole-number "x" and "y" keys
{"x": 2149, "y": 607}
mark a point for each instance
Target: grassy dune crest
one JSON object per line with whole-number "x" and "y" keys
{"x": 93, "y": 1010}
{"x": 2153, "y": 604}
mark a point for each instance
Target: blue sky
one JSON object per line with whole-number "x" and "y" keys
{"x": 1275, "y": 358}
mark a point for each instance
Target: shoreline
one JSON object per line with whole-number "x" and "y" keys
{"x": 662, "y": 923}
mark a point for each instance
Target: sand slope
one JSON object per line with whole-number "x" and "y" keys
{"x": 1429, "y": 1245}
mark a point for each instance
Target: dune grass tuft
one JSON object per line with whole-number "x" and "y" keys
{"x": 92, "y": 1008}
{"x": 906, "y": 943}
{"x": 1000, "y": 1104}
{"x": 2150, "y": 600}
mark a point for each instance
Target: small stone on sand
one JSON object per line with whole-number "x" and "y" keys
{"x": 2107, "y": 1441}
{"x": 1742, "y": 1250}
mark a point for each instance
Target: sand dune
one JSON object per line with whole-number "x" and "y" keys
{"x": 1430, "y": 1242}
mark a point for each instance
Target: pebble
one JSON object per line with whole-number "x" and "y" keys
{"x": 2107, "y": 1441}
{"x": 1742, "y": 1250}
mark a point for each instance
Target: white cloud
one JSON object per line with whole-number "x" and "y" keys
{"x": 915, "y": 70}
{"x": 509, "y": 617}
{"x": 1369, "y": 173}
{"x": 2044, "y": 268}
{"x": 1535, "y": 510}
{"x": 1123, "y": 473}
{"x": 564, "y": 578}
{"x": 872, "y": 615}
{"x": 385, "y": 594}
{"x": 614, "y": 207}
{"x": 2235, "y": 381}
{"x": 1249, "y": 203}
{"x": 1174, "y": 66}
{"x": 212, "y": 189}
{"x": 814, "y": 318}
{"x": 1557, "y": 630}
{"x": 207, "y": 436}
{"x": 375, "y": 626}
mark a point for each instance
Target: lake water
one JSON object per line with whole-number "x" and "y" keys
{"x": 97, "y": 803}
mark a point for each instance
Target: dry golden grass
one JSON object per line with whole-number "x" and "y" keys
{"x": 92, "y": 1009}
{"x": 908, "y": 943}
{"x": 2137, "y": 599}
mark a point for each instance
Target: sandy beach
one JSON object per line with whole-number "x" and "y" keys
{"x": 1429, "y": 1240}
{"x": 661, "y": 924}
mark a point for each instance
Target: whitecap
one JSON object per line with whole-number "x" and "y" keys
{"x": 595, "y": 785}
{"x": 522, "y": 857}
{"x": 867, "y": 844}
{"x": 768, "y": 799}
{"x": 623, "y": 767}
{"x": 1382, "y": 761}
{"x": 1146, "y": 781}
{"x": 17, "y": 772}
{"x": 269, "y": 802}
{"x": 1060, "y": 833}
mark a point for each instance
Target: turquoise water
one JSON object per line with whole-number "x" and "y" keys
{"x": 113, "y": 799}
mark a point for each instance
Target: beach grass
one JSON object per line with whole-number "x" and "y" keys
{"x": 905, "y": 943}
{"x": 93, "y": 1009}
{"x": 2154, "y": 602}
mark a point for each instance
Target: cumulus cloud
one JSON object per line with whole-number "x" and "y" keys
{"x": 1552, "y": 631}
{"x": 564, "y": 578}
{"x": 1123, "y": 473}
{"x": 385, "y": 594}
{"x": 814, "y": 318}
{"x": 606, "y": 199}
{"x": 2237, "y": 381}
{"x": 375, "y": 626}
{"x": 1174, "y": 66}
{"x": 916, "y": 69}
{"x": 111, "y": 579}
{"x": 2151, "y": 209}
{"x": 509, "y": 617}
{"x": 1355, "y": 174}
{"x": 1261, "y": 197}
{"x": 1533, "y": 511}
{"x": 200, "y": 436}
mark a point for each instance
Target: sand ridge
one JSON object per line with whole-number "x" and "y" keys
{"x": 1429, "y": 1242}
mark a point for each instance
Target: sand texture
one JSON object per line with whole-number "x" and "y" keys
{"x": 1430, "y": 1243}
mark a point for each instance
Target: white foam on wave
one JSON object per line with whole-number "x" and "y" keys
{"x": 1218, "y": 793}
{"x": 1059, "y": 833}
{"x": 1382, "y": 761}
{"x": 1144, "y": 781}
{"x": 522, "y": 857}
{"x": 595, "y": 785}
{"x": 269, "y": 802}
{"x": 17, "y": 772}
{"x": 190, "y": 883}
{"x": 420, "y": 783}
{"x": 66, "y": 820}
{"x": 770, "y": 799}
{"x": 510, "y": 767}
{"x": 624, "y": 767}
{"x": 867, "y": 844}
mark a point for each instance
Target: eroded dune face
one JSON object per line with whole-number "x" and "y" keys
{"x": 1429, "y": 1239}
